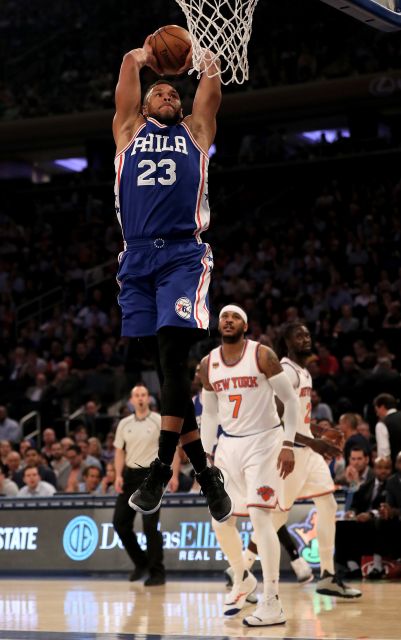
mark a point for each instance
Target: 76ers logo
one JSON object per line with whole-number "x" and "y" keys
{"x": 183, "y": 308}
{"x": 265, "y": 492}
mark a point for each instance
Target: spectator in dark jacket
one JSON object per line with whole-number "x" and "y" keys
{"x": 32, "y": 459}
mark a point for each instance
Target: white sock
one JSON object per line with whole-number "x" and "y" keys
{"x": 230, "y": 543}
{"x": 377, "y": 562}
{"x": 352, "y": 565}
{"x": 268, "y": 549}
{"x": 249, "y": 558}
{"x": 326, "y": 508}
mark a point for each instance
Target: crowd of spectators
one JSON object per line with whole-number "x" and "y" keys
{"x": 66, "y": 59}
{"x": 327, "y": 254}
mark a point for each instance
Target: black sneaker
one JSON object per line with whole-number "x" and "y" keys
{"x": 375, "y": 574}
{"x": 148, "y": 498}
{"x": 212, "y": 484}
{"x": 155, "y": 581}
{"x": 331, "y": 585}
{"x": 137, "y": 573}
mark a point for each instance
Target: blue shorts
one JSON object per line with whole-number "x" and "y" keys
{"x": 164, "y": 283}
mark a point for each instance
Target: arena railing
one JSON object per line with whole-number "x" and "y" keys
{"x": 37, "y": 432}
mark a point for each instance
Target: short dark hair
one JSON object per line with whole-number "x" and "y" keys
{"x": 385, "y": 400}
{"x": 152, "y": 86}
{"x": 75, "y": 448}
{"x": 88, "y": 468}
{"x": 31, "y": 449}
{"x": 285, "y": 335}
{"x": 356, "y": 448}
{"x": 32, "y": 466}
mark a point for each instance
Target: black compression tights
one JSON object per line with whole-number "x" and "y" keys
{"x": 170, "y": 350}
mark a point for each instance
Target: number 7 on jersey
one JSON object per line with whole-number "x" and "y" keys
{"x": 237, "y": 400}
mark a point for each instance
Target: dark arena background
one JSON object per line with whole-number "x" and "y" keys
{"x": 305, "y": 196}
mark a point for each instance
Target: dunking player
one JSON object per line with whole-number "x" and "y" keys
{"x": 239, "y": 380}
{"x": 311, "y": 477}
{"x": 161, "y": 197}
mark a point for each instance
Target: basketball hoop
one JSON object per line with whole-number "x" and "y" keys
{"x": 224, "y": 28}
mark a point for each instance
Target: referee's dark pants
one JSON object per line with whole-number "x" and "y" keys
{"x": 123, "y": 522}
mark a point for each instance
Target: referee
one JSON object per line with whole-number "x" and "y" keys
{"x": 136, "y": 444}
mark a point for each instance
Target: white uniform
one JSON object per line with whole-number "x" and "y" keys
{"x": 249, "y": 446}
{"x": 311, "y": 476}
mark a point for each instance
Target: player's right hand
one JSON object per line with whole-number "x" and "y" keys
{"x": 151, "y": 60}
{"x": 118, "y": 484}
{"x": 326, "y": 448}
{"x": 285, "y": 462}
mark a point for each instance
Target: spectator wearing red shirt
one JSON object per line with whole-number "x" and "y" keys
{"x": 328, "y": 364}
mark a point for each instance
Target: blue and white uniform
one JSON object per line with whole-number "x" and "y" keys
{"x": 161, "y": 197}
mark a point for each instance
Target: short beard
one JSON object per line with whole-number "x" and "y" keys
{"x": 169, "y": 121}
{"x": 304, "y": 354}
{"x": 232, "y": 339}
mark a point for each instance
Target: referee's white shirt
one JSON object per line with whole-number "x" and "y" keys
{"x": 139, "y": 438}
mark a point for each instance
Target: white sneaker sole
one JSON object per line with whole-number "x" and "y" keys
{"x": 226, "y": 517}
{"x": 235, "y": 608}
{"x": 138, "y": 509}
{"x": 252, "y": 621}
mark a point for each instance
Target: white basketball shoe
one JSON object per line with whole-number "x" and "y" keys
{"x": 268, "y": 613}
{"x": 302, "y": 570}
{"x": 229, "y": 574}
{"x": 236, "y": 599}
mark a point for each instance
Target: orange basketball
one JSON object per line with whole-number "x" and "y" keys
{"x": 171, "y": 45}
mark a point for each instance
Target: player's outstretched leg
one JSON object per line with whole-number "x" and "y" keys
{"x": 244, "y": 582}
{"x": 329, "y": 584}
{"x": 269, "y": 610}
{"x": 178, "y": 419}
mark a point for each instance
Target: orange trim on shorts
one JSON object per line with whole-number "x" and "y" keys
{"x": 316, "y": 495}
{"x": 266, "y": 506}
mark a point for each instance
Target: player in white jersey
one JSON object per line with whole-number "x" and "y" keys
{"x": 311, "y": 478}
{"x": 240, "y": 380}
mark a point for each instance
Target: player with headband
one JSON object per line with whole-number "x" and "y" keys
{"x": 240, "y": 379}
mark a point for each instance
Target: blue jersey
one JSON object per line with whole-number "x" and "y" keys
{"x": 161, "y": 186}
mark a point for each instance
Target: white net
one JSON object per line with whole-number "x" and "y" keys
{"x": 222, "y": 27}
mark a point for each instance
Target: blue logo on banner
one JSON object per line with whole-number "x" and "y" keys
{"x": 80, "y": 538}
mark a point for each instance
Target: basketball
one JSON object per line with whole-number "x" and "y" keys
{"x": 171, "y": 45}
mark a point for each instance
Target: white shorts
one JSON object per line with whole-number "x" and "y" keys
{"x": 311, "y": 478}
{"x": 249, "y": 466}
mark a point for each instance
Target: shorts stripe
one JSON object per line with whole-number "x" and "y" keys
{"x": 316, "y": 495}
{"x": 201, "y": 312}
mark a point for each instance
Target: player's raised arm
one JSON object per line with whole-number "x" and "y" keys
{"x": 206, "y": 104}
{"x": 209, "y": 417}
{"x": 128, "y": 93}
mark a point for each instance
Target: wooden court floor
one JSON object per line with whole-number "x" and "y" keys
{"x": 102, "y": 608}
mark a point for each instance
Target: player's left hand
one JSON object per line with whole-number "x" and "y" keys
{"x": 285, "y": 462}
{"x": 173, "y": 485}
{"x": 187, "y": 64}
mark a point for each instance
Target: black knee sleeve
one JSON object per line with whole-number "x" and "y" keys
{"x": 174, "y": 346}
